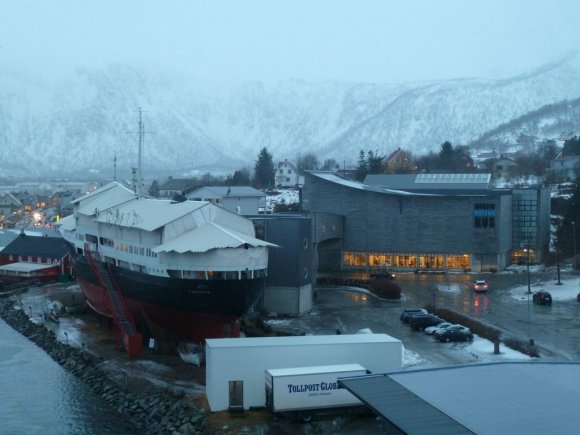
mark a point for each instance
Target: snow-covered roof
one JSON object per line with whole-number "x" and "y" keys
{"x": 225, "y": 191}
{"x": 209, "y": 236}
{"x": 103, "y": 198}
{"x": 148, "y": 214}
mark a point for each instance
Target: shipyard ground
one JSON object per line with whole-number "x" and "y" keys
{"x": 156, "y": 371}
{"x": 348, "y": 311}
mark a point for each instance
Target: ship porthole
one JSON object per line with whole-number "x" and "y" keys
{"x": 305, "y": 272}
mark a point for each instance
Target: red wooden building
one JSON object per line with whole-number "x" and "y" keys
{"x": 34, "y": 258}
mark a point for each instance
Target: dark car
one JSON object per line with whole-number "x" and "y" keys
{"x": 542, "y": 298}
{"x": 421, "y": 321}
{"x": 454, "y": 333}
{"x": 383, "y": 274}
{"x": 407, "y": 313}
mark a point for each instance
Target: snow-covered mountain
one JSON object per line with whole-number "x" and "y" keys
{"x": 78, "y": 123}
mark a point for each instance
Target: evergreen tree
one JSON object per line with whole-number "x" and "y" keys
{"x": 264, "y": 170}
{"x": 240, "y": 177}
{"x": 446, "y": 156}
{"x": 572, "y": 147}
{"x": 154, "y": 188}
{"x": 363, "y": 168}
{"x": 375, "y": 163}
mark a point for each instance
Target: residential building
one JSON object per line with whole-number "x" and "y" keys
{"x": 566, "y": 168}
{"x": 399, "y": 161}
{"x": 244, "y": 200}
{"x": 34, "y": 258}
{"x": 504, "y": 167}
{"x": 176, "y": 186}
{"x": 9, "y": 205}
{"x": 287, "y": 174}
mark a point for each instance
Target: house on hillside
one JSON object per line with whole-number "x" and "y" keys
{"x": 463, "y": 159}
{"x": 242, "y": 200}
{"x": 34, "y": 258}
{"x": 287, "y": 174}
{"x": 566, "y": 167}
{"x": 176, "y": 186}
{"x": 399, "y": 161}
{"x": 504, "y": 167}
{"x": 9, "y": 204}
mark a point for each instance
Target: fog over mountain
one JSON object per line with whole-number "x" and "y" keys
{"x": 76, "y": 124}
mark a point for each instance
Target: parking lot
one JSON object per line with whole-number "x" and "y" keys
{"x": 553, "y": 328}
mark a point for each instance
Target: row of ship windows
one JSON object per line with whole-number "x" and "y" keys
{"x": 123, "y": 247}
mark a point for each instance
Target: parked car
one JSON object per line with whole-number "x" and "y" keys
{"x": 480, "y": 285}
{"x": 421, "y": 321}
{"x": 542, "y": 298}
{"x": 431, "y": 329}
{"x": 407, "y": 313}
{"x": 383, "y": 274}
{"x": 454, "y": 333}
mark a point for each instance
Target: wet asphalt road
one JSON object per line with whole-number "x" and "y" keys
{"x": 555, "y": 329}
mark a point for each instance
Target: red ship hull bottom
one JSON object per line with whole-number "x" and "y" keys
{"x": 184, "y": 325}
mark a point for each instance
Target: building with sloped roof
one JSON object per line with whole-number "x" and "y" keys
{"x": 424, "y": 222}
{"x": 287, "y": 174}
{"x": 34, "y": 257}
{"x": 399, "y": 161}
{"x": 244, "y": 200}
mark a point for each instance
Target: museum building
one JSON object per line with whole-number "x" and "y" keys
{"x": 425, "y": 222}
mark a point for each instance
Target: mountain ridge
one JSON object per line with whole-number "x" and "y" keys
{"x": 79, "y": 123}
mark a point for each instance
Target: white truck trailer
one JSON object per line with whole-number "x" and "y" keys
{"x": 304, "y": 391}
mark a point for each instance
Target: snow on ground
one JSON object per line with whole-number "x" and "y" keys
{"x": 482, "y": 349}
{"x": 282, "y": 196}
{"x": 567, "y": 291}
{"x": 411, "y": 358}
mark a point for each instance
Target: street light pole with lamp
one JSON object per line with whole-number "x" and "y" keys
{"x": 574, "y": 243}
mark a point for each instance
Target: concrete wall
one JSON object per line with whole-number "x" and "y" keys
{"x": 247, "y": 359}
{"x": 248, "y": 205}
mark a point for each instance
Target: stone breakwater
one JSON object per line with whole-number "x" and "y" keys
{"x": 151, "y": 413}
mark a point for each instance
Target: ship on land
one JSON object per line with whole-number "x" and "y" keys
{"x": 191, "y": 267}
{"x": 187, "y": 268}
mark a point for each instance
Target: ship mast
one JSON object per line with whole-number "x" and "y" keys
{"x": 140, "y": 159}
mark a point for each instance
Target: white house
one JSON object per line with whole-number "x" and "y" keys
{"x": 287, "y": 174}
{"x": 567, "y": 167}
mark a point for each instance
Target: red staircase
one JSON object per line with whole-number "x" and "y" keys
{"x": 123, "y": 320}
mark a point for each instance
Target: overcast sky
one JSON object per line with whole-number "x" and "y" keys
{"x": 359, "y": 40}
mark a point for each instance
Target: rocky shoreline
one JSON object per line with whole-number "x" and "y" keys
{"x": 152, "y": 413}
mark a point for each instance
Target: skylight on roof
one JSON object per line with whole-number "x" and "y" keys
{"x": 453, "y": 178}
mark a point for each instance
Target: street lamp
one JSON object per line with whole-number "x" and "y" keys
{"x": 574, "y": 242}
{"x": 528, "y": 267}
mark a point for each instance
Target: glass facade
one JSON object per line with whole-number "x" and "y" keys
{"x": 524, "y": 225}
{"x": 402, "y": 261}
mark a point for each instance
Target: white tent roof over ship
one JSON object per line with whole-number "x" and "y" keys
{"x": 209, "y": 236}
{"x": 188, "y": 226}
{"x": 148, "y": 214}
{"x": 103, "y": 198}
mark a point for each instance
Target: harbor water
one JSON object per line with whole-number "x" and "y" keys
{"x": 38, "y": 396}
